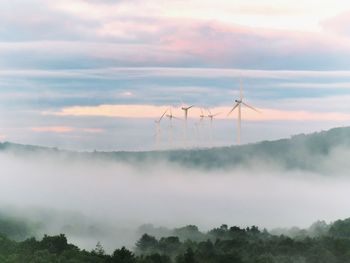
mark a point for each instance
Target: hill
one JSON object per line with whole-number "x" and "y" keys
{"x": 313, "y": 152}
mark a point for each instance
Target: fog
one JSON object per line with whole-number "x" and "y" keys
{"x": 94, "y": 200}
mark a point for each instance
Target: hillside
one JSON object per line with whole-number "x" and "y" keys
{"x": 188, "y": 244}
{"x": 305, "y": 152}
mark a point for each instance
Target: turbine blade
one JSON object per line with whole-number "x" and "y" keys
{"x": 234, "y": 107}
{"x": 216, "y": 114}
{"x": 241, "y": 90}
{"x": 162, "y": 115}
{"x": 181, "y": 103}
{"x": 252, "y": 108}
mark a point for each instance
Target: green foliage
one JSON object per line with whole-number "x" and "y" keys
{"x": 123, "y": 256}
{"x": 340, "y": 228}
{"x": 189, "y": 232}
{"x": 219, "y": 245}
{"x": 301, "y": 152}
{"x": 14, "y": 228}
{"x": 146, "y": 244}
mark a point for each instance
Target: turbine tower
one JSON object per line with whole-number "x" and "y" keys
{"x": 185, "y": 108}
{"x": 199, "y": 125}
{"x": 211, "y": 117}
{"x": 158, "y": 131}
{"x": 202, "y": 116}
{"x": 238, "y": 104}
{"x": 171, "y": 117}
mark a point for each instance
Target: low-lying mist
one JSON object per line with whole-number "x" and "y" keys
{"x": 94, "y": 199}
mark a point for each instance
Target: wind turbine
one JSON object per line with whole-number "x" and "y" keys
{"x": 198, "y": 125}
{"x": 239, "y": 102}
{"x": 202, "y": 116}
{"x": 185, "y": 108}
{"x": 211, "y": 117}
{"x": 171, "y": 117}
{"x": 158, "y": 131}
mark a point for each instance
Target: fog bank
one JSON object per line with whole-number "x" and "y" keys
{"x": 104, "y": 200}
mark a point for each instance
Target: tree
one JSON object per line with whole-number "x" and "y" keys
{"x": 54, "y": 244}
{"x": 146, "y": 244}
{"x": 156, "y": 258}
{"x": 169, "y": 245}
{"x": 188, "y": 257}
{"x": 123, "y": 256}
{"x": 99, "y": 250}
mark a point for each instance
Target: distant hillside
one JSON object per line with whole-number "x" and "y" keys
{"x": 305, "y": 152}
{"x": 321, "y": 243}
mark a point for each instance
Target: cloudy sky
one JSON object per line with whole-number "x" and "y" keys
{"x": 95, "y": 74}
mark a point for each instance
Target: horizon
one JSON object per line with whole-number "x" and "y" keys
{"x": 180, "y": 147}
{"x": 96, "y": 74}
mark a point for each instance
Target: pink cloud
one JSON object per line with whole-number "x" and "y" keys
{"x": 128, "y": 35}
{"x": 338, "y": 24}
{"x": 122, "y": 111}
{"x": 65, "y": 129}
{"x": 54, "y": 129}
{"x": 151, "y": 111}
{"x": 171, "y": 41}
{"x": 226, "y": 44}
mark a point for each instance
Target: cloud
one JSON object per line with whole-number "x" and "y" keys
{"x": 338, "y": 24}
{"x": 252, "y": 13}
{"x": 126, "y": 94}
{"x": 166, "y": 41}
{"x": 191, "y": 72}
{"x": 207, "y": 72}
{"x": 65, "y": 129}
{"x": 54, "y": 129}
{"x": 92, "y": 130}
{"x": 151, "y": 111}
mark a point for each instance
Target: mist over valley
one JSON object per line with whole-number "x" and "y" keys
{"x": 109, "y": 196}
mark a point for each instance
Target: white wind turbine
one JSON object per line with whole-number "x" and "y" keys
{"x": 158, "y": 131}
{"x": 185, "y": 108}
{"x": 171, "y": 117}
{"x": 199, "y": 124}
{"x": 238, "y": 105}
{"x": 202, "y": 116}
{"x": 211, "y": 116}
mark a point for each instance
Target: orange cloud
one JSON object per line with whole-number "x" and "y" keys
{"x": 54, "y": 129}
{"x": 65, "y": 129}
{"x": 151, "y": 111}
{"x": 123, "y": 111}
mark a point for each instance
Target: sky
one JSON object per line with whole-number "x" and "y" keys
{"x": 91, "y": 74}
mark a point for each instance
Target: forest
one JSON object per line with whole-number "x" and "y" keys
{"x": 320, "y": 243}
{"x": 307, "y": 152}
